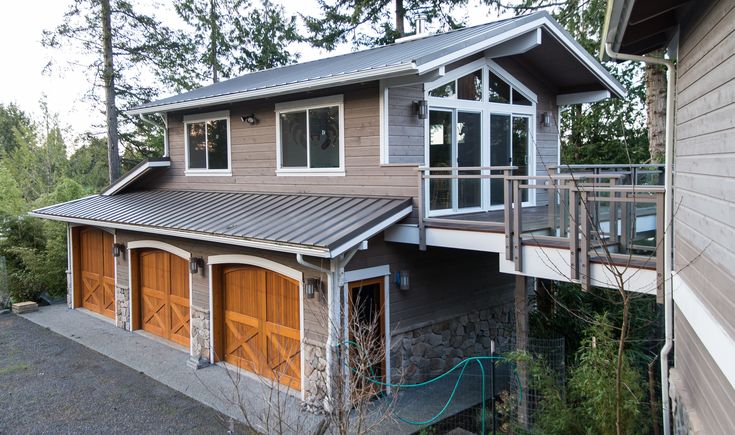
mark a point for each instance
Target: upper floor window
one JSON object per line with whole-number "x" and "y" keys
{"x": 207, "y": 143}
{"x": 310, "y": 137}
{"x": 469, "y": 87}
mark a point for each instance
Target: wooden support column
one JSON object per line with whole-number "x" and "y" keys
{"x": 521, "y": 314}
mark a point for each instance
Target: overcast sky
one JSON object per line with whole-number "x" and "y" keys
{"x": 22, "y": 77}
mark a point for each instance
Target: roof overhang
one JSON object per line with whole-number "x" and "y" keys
{"x": 319, "y": 226}
{"x": 639, "y": 27}
{"x": 134, "y": 174}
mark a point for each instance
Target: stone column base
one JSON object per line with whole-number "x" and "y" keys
{"x": 197, "y": 363}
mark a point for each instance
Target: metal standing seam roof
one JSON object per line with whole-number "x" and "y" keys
{"x": 408, "y": 55}
{"x": 285, "y": 221}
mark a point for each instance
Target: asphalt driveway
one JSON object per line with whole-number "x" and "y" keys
{"x": 51, "y": 384}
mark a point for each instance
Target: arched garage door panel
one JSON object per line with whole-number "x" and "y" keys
{"x": 261, "y": 326}
{"x": 97, "y": 271}
{"x": 164, "y": 295}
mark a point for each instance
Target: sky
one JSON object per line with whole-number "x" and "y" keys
{"x": 24, "y": 81}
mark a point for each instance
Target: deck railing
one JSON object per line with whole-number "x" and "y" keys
{"x": 606, "y": 214}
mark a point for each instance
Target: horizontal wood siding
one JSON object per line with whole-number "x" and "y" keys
{"x": 405, "y": 130}
{"x": 444, "y": 283}
{"x": 710, "y": 393}
{"x": 254, "y": 152}
{"x": 704, "y": 172}
{"x": 314, "y": 309}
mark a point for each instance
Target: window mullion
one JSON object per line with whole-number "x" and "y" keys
{"x": 308, "y": 143}
{"x": 206, "y": 146}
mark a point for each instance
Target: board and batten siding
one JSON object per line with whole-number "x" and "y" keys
{"x": 314, "y": 309}
{"x": 704, "y": 202}
{"x": 254, "y": 152}
{"x": 704, "y": 171}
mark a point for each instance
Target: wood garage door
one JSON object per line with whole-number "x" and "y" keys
{"x": 164, "y": 295}
{"x": 261, "y": 328}
{"x": 97, "y": 270}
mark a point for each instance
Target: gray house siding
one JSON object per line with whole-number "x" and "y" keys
{"x": 405, "y": 130}
{"x": 704, "y": 179}
{"x": 704, "y": 203}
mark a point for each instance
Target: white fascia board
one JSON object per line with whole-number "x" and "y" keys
{"x": 519, "y": 45}
{"x": 579, "y": 52}
{"x": 376, "y": 229}
{"x": 581, "y": 97}
{"x": 131, "y": 176}
{"x": 248, "y": 243}
{"x": 325, "y": 82}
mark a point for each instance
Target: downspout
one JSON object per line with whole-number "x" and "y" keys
{"x": 164, "y": 118}
{"x": 335, "y": 285}
{"x": 668, "y": 222}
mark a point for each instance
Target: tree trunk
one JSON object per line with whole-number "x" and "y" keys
{"x": 108, "y": 76}
{"x": 655, "y": 76}
{"x": 400, "y": 17}
{"x": 213, "y": 40}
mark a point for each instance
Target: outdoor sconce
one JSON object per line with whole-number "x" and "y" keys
{"x": 402, "y": 280}
{"x": 117, "y": 249}
{"x": 312, "y": 286}
{"x": 422, "y": 108}
{"x": 195, "y": 263}
{"x": 546, "y": 119}
{"x": 250, "y": 119}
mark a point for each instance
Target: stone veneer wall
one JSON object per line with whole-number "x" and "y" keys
{"x": 430, "y": 350}
{"x": 685, "y": 421}
{"x": 200, "y": 343}
{"x": 122, "y": 307}
{"x": 315, "y": 375}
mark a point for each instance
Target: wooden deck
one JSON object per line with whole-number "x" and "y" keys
{"x": 534, "y": 219}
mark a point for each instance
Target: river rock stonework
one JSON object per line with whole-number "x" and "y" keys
{"x": 315, "y": 375}
{"x": 122, "y": 307}
{"x": 428, "y": 351}
{"x": 199, "y": 337}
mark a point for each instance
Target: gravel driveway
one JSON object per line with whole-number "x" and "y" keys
{"x": 50, "y": 384}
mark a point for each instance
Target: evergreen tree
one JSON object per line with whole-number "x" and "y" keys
{"x": 12, "y": 121}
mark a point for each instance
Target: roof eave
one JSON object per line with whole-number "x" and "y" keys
{"x": 141, "y": 169}
{"x": 325, "y": 82}
{"x": 617, "y": 15}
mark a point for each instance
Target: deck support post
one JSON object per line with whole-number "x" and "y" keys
{"x": 574, "y": 233}
{"x": 585, "y": 242}
{"x": 521, "y": 320}
{"x": 517, "y": 225}
{"x": 421, "y": 204}
{"x": 508, "y": 214}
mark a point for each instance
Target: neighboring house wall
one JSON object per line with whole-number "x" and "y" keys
{"x": 704, "y": 205}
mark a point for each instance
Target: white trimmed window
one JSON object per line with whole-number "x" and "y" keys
{"x": 310, "y": 137}
{"x": 207, "y": 141}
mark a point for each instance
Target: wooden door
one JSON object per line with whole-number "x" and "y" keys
{"x": 367, "y": 334}
{"x": 164, "y": 295}
{"x": 261, "y": 325}
{"x": 97, "y": 271}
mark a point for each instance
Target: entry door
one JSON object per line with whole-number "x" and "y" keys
{"x": 455, "y": 142}
{"x": 367, "y": 332}
{"x": 509, "y": 146}
{"x": 262, "y": 329}
{"x": 97, "y": 271}
{"x": 164, "y": 295}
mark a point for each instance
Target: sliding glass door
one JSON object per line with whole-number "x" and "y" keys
{"x": 509, "y": 146}
{"x": 455, "y": 142}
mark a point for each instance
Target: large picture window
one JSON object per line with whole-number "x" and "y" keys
{"x": 310, "y": 137}
{"x": 207, "y": 144}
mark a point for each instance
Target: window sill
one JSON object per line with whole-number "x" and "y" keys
{"x": 336, "y": 172}
{"x": 208, "y": 173}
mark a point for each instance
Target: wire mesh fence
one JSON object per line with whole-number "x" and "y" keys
{"x": 483, "y": 394}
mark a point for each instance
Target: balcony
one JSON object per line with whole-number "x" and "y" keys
{"x": 593, "y": 225}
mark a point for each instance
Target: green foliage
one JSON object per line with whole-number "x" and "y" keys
{"x": 12, "y": 121}
{"x": 88, "y": 164}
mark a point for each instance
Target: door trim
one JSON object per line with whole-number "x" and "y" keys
{"x": 251, "y": 260}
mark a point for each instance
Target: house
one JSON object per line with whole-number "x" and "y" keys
{"x": 698, "y": 36}
{"x": 415, "y": 176}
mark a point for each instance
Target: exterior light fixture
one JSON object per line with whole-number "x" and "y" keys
{"x": 421, "y": 108}
{"x": 312, "y": 285}
{"x": 402, "y": 280}
{"x": 117, "y": 249}
{"x": 546, "y": 119}
{"x": 250, "y": 119}
{"x": 195, "y": 263}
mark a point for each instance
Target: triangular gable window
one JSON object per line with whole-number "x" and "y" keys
{"x": 468, "y": 87}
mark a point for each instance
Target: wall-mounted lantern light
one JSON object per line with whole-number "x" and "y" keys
{"x": 402, "y": 280}
{"x": 546, "y": 119}
{"x": 117, "y": 249}
{"x": 311, "y": 286}
{"x": 422, "y": 108}
{"x": 195, "y": 263}
{"x": 250, "y": 119}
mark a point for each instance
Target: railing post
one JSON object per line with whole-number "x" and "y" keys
{"x": 584, "y": 247}
{"x": 564, "y": 210}
{"x": 508, "y": 214}
{"x": 613, "y": 214}
{"x": 517, "y": 225}
{"x": 660, "y": 235}
{"x": 574, "y": 232}
{"x": 551, "y": 199}
{"x": 421, "y": 205}
{"x": 624, "y": 224}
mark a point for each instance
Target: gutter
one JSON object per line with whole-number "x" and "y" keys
{"x": 668, "y": 219}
